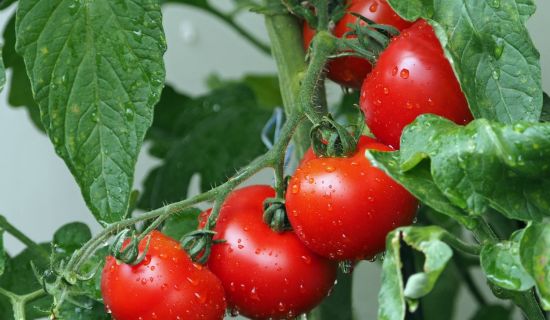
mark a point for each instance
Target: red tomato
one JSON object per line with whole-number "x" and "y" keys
{"x": 165, "y": 285}
{"x": 351, "y": 71}
{"x": 265, "y": 274}
{"x": 343, "y": 208}
{"x": 411, "y": 77}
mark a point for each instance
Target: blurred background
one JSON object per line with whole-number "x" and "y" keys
{"x": 38, "y": 194}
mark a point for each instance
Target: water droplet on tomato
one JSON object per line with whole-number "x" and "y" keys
{"x": 200, "y": 296}
{"x": 254, "y": 294}
{"x": 386, "y": 90}
{"x": 281, "y": 306}
{"x": 306, "y": 259}
{"x": 295, "y": 188}
{"x": 192, "y": 281}
{"x": 373, "y": 7}
{"x": 404, "y": 73}
{"x": 394, "y": 71}
{"x": 330, "y": 168}
{"x": 197, "y": 266}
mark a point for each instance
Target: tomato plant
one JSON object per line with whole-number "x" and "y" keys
{"x": 165, "y": 285}
{"x": 412, "y": 77}
{"x": 265, "y": 274}
{"x": 451, "y": 190}
{"x": 343, "y": 208}
{"x": 350, "y": 71}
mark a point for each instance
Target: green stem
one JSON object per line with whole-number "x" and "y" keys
{"x": 20, "y": 301}
{"x": 324, "y": 45}
{"x": 240, "y": 30}
{"x": 285, "y": 33}
{"x": 458, "y": 244}
{"x": 16, "y": 233}
{"x": 529, "y": 305}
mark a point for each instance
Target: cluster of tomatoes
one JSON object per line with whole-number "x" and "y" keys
{"x": 340, "y": 209}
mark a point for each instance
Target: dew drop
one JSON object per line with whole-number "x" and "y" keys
{"x": 404, "y": 73}
{"x": 373, "y": 7}
{"x": 394, "y": 71}
{"x": 295, "y": 188}
{"x": 306, "y": 259}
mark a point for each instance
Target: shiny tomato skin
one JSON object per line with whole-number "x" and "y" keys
{"x": 343, "y": 208}
{"x": 165, "y": 285}
{"x": 351, "y": 71}
{"x": 412, "y": 77}
{"x": 266, "y": 275}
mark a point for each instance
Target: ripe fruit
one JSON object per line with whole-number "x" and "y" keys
{"x": 351, "y": 71}
{"x": 265, "y": 274}
{"x": 165, "y": 285}
{"x": 343, "y": 208}
{"x": 412, "y": 77}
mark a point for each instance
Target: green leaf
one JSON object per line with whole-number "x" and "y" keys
{"x": 213, "y": 135}
{"x": 545, "y": 116}
{"x": 2, "y": 72}
{"x": 491, "y": 52}
{"x": 502, "y": 266}
{"x": 6, "y": 3}
{"x": 419, "y": 182}
{"x": 484, "y": 164}
{"x": 337, "y": 306}
{"x": 394, "y": 294}
{"x": 19, "y": 278}
{"x": 20, "y": 92}
{"x": 178, "y": 225}
{"x": 265, "y": 87}
{"x": 492, "y": 312}
{"x": 534, "y": 250}
{"x": 96, "y": 71}
{"x": 71, "y": 237}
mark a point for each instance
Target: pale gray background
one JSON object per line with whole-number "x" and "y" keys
{"x": 38, "y": 194}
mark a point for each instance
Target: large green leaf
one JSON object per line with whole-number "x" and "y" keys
{"x": 485, "y": 164}
{"x": 212, "y": 135}
{"x": 20, "y": 92}
{"x": 394, "y": 293}
{"x": 419, "y": 182}
{"x": 491, "y": 52}
{"x": 502, "y": 266}
{"x": 534, "y": 251}
{"x": 96, "y": 71}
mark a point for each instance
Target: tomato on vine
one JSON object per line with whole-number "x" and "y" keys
{"x": 351, "y": 71}
{"x": 165, "y": 285}
{"x": 343, "y": 208}
{"x": 412, "y": 77}
{"x": 265, "y": 274}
